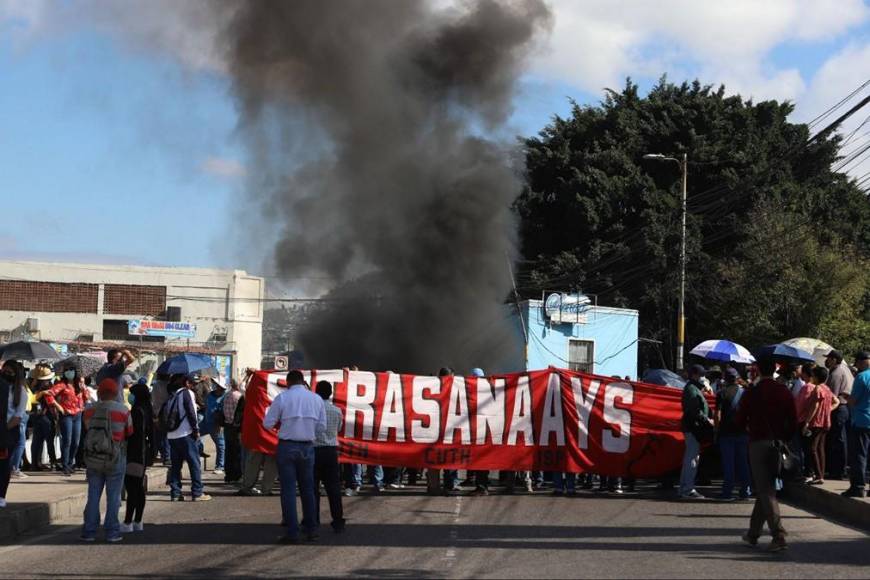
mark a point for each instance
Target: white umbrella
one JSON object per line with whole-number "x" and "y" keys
{"x": 819, "y": 349}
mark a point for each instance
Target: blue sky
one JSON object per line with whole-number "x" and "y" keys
{"x": 117, "y": 138}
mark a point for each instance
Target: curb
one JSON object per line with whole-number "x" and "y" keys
{"x": 850, "y": 511}
{"x": 34, "y": 517}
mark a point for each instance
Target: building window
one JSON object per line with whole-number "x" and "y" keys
{"x": 117, "y": 330}
{"x": 27, "y": 296}
{"x": 581, "y": 355}
{"x": 134, "y": 300}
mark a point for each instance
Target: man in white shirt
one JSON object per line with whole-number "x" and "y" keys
{"x": 183, "y": 443}
{"x": 299, "y": 415}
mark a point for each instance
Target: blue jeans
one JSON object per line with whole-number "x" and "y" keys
{"x": 220, "y": 446}
{"x": 70, "y": 433}
{"x": 859, "y": 445}
{"x": 353, "y": 475}
{"x": 563, "y": 481}
{"x": 113, "y": 483}
{"x": 17, "y": 453}
{"x": 41, "y": 436}
{"x": 690, "y": 464}
{"x": 735, "y": 460}
{"x": 296, "y": 464}
{"x": 185, "y": 450}
{"x": 376, "y": 473}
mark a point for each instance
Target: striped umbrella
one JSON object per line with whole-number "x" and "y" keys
{"x": 723, "y": 350}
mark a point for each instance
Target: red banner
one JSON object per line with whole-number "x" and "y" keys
{"x": 549, "y": 420}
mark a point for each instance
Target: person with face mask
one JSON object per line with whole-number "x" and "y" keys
{"x": 71, "y": 398}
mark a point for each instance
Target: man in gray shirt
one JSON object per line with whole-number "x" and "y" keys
{"x": 840, "y": 382}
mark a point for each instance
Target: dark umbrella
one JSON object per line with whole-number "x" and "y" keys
{"x": 84, "y": 365}
{"x": 663, "y": 377}
{"x": 783, "y": 352}
{"x": 183, "y": 364}
{"x": 27, "y": 350}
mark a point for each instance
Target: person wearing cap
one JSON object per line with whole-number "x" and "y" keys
{"x": 859, "y": 433}
{"x": 733, "y": 440}
{"x": 696, "y": 424}
{"x": 767, "y": 412}
{"x": 840, "y": 382}
{"x": 184, "y": 443}
{"x": 212, "y": 421}
{"x": 121, "y": 428}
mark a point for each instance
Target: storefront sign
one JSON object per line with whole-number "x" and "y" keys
{"x": 161, "y": 328}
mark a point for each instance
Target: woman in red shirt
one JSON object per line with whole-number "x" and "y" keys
{"x": 69, "y": 395}
{"x": 818, "y": 423}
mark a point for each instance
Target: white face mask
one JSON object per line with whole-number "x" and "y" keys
{"x": 69, "y": 375}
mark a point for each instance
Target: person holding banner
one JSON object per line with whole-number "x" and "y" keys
{"x": 299, "y": 415}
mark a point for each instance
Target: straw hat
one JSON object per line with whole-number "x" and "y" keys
{"x": 42, "y": 373}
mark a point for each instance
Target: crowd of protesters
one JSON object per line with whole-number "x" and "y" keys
{"x": 822, "y": 412}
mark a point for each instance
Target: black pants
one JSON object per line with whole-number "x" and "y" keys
{"x": 838, "y": 442}
{"x": 327, "y": 472}
{"x": 481, "y": 479}
{"x": 859, "y": 446}
{"x": 135, "y": 488}
{"x": 233, "y": 460}
{"x": 5, "y": 468}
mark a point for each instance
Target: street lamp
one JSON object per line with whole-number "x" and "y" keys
{"x": 681, "y": 314}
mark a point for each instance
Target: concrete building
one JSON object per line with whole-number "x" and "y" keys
{"x": 158, "y": 311}
{"x": 569, "y": 331}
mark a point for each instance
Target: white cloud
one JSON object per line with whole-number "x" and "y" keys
{"x": 223, "y": 168}
{"x": 598, "y": 43}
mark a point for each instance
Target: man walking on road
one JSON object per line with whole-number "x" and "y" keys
{"x": 299, "y": 415}
{"x": 326, "y": 468}
{"x": 184, "y": 443}
{"x": 859, "y": 434}
{"x": 767, "y": 411}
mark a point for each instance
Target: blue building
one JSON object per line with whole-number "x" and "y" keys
{"x": 568, "y": 331}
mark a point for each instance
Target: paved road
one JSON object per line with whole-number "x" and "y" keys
{"x": 407, "y": 534}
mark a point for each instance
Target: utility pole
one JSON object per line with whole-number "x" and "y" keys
{"x": 681, "y": 315}
{"x": 681, "y": 309}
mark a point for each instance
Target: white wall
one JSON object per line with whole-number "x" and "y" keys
{"x": 215, "y": 300}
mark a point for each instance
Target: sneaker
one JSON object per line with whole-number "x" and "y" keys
{"x": 219, "y": 471}
{"x": 396, "y": 486}
{"x": 126, "y": 528}
{"x": 115, "y": 539}
{"x": 18, "y": 474}
{"x": 777, "y": 545}
{"x": 750, "y": 540}
{"x": 349, "y": 492}
{"x": 203, "y": 497}
{"x": 854, "y": 492}
{"x": 138, "y": 527}
{"x": 176, "y": 498}
{"x": 249, "y": 492}
{"x": 87, "y": 539}
{"x": 694, "y": 494}
{"x": 817, "y": 482}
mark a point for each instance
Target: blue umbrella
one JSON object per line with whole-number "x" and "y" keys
{"x": 722, "y": 350}
{"x": 183, "y": 364}
{"x": 782, "y": 351}
{"x": 663, "y": 377}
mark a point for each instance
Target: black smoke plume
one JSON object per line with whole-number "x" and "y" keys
{"x": 375, "y": 130}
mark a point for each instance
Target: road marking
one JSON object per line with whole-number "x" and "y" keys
{"x": 450, "y": 554}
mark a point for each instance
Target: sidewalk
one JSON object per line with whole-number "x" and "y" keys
{"x": 47, "y": 497}
{"x": 825, "y": 500}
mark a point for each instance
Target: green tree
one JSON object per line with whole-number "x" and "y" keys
{"x": 595, "y": 216}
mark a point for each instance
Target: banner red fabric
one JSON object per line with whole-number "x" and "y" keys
{"x": 550, "y": 420}
{"x": 255, "y": 437}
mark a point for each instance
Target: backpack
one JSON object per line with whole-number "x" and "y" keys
{"x": 101, "y": 452}
{"x": 169, "y": 418}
